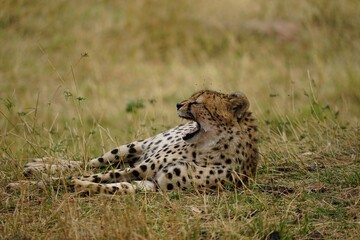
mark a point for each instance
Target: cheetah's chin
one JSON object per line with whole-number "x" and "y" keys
{"x": 196, "y": 130}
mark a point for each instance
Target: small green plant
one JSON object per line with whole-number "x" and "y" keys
{"x": 134, "y": 105}
{"x": 8, "y": 103}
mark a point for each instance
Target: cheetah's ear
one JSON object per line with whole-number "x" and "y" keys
{"x": 239, "y": 103}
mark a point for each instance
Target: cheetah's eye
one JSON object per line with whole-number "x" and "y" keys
{"x": 194, "y": 103}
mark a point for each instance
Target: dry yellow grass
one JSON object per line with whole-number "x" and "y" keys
{"x": 71, "y": 71}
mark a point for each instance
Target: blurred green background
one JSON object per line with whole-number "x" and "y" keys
{"x": 111, "y": 56}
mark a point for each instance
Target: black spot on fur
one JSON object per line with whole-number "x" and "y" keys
{"x": 143, "y": 168}
{"x": 228, "y": 161}
{"x": 194, "y": 154}
{"x": 169, "y": 175}
{"x": 96, "y": 179}
{"x": 132, "y": 150}
{"x": 169, "y": 186}
{"x": 229, "y": 176}
{"x": 133, "y": 161}
{"x": 152, "y": 166}
{"x": 245, "y": 180}
{"x": 184, "y": 179}
{"x": 100, "y": 159}
{"x": 177, "y": 171}
{"x": 135, "y": 173}
{"x": 117, "y": 175}
{"x": 115, "y": 151}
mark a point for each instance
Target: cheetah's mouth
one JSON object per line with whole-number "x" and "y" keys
{"x": 194, "y": 131}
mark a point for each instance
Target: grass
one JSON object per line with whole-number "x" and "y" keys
{"x": 78, "y": 78}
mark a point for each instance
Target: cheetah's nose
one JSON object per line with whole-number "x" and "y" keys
{"x": 179, "y": 105}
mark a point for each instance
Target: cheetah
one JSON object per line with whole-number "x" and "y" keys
{"x": 216, "y": 148}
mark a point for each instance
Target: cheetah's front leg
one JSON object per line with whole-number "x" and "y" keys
{"x": 113, "y": 188}
{"x": 117, "y": 175}
{"x": 126, "y": 155}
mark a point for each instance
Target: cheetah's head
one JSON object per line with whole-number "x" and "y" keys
{"x": 213, "y": 112}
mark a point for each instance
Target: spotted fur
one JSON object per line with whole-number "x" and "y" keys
{"x": 216, "y": 148}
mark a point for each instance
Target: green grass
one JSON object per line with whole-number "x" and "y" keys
{"x": 78, "y": 78}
